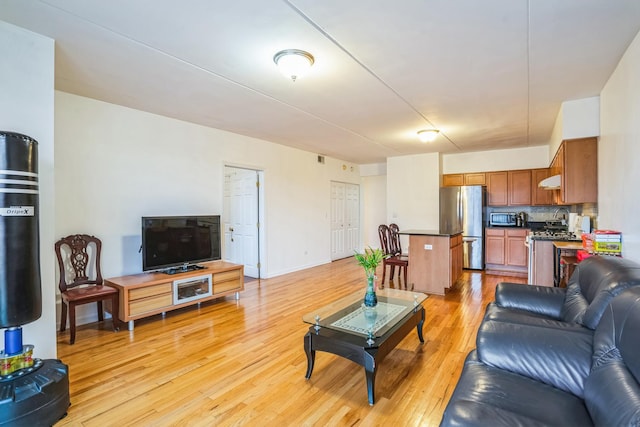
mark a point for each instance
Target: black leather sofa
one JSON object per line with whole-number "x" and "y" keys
{"x": 554, "y": 357}
{"x": 595, "y": 281}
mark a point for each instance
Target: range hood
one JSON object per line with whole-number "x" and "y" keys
{"x": 551, "y": 183}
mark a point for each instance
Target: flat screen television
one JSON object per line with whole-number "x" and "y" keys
{"x": 175, "y": 243}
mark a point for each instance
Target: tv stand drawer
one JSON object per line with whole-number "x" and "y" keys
{"x": 148, "y": 291}
{"x": 226, "y": 276}
{"x": 229, "y": 285}
{"x": 151, "y": 304}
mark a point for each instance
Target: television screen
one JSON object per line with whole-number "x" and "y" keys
{"x": 179, "y": 241}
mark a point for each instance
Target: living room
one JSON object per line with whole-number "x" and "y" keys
{"x": 103, "y": 166}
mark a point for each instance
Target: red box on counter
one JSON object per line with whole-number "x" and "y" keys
{"x": 582, "y": 254}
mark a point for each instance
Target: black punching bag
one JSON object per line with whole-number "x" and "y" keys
{"x": 20, "y": 294}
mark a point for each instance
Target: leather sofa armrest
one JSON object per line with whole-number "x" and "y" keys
{"x": 544, "y": 300}
{"x": 556, "y": 356}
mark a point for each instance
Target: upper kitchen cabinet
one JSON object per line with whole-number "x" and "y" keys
{"x": 456, "y": 179}
{"x": 497, "y": 188}
{"x": 576, "y": 162}
{"x": 478, "y": 178}
{"x": 519, "y": 185}
{"x": 509, "y": 188}
{"x": 452, "y": 179}
{"x": 540, "y": 196}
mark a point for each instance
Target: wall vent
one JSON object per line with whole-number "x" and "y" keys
{"x": 320, "y": 159}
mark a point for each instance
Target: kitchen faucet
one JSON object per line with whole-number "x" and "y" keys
{"x": 565, "y": 217}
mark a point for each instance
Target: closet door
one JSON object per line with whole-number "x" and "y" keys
{"x": 345, "y": 219}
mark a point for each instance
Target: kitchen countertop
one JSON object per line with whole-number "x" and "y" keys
{"x": 567, "y": 244}
{"x": 428, "y": 233}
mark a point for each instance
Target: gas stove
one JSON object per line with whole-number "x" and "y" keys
{"x": 553, "y": 235}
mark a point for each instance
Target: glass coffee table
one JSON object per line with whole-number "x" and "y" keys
{"x": 365, "y": 336}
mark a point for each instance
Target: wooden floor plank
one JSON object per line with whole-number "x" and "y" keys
{"x": 242, "y": 362}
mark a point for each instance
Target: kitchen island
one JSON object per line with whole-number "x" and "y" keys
{"x": 435, "y": 260}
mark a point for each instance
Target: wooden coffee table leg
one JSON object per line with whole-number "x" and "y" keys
{"x": 311, "y": 354}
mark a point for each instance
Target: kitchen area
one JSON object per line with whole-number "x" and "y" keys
{"x": 534, "y": 219}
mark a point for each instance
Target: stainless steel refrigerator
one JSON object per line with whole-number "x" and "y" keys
{"x": 462, "y": 209}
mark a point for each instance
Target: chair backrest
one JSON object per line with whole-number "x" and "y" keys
{"x": 79, "y": 261}
{"x": 593, "y": 284}
{"x": 385, "y": 237}
{"x": 394, "y": 239}
{"x": 612, "y": 389}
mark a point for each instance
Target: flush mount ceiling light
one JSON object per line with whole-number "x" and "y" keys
{"x": 428, "y": 135}
{"x": 293, "y": 63}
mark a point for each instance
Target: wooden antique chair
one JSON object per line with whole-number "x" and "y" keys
{"x": 81, "y": 279}
{"x": 390, "y": 244}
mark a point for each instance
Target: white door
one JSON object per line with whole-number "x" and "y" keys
{"x": 345, "y": 219}
{"x": 352, "y": 218}
{"x": 337, "y": 220}
{"x": 240, "y": 219}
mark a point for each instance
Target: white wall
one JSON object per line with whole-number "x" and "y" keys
{"x": 579, "y": 118}
{"x": 115, "y": 165}
{"x": 619, "y": 152}
{"x": 496, "y": 160}
{"x": 27, "y": 107}
{"x": 413, "y": 191}
{"x": 374, "y": 208}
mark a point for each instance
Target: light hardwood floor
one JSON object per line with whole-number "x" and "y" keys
{"x": 242, "y": 362}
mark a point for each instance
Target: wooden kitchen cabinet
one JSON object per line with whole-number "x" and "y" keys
{"x": 494, "y": 246}
{"x": 509, "y": 188}
{"x": 516, "y": 251}
{"x": 455, "y": 258}
{"x": 452, "y": 179}
{"x": 478, "y": 178}
{"x": 576, "y": 161}
{"x": 457, "y": 179}
{"x": 519, "y": 187}
{"x": 505, "y": 251}
{"x": 540, "y": 196}
{"x": 497, "y": 188}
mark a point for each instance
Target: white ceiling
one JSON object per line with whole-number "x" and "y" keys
{"x": 489, "y": 74}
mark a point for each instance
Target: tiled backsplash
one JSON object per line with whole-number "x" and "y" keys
{"x": 546, "y": 213}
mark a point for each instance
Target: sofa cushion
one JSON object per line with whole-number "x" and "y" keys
{"x": 488, "y": 396}
{"x": 542, "y": 300}
{"x": 612, "y": 390}
{"x": 560, "y": 357}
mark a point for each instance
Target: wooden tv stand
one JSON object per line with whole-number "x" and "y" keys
{"x": 143, "y": 295}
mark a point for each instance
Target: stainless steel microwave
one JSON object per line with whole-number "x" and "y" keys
{"x": 503, "y": 219}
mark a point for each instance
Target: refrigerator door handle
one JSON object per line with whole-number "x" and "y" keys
{"x": 469, "y": 239}
{"x": 460, "y": 208}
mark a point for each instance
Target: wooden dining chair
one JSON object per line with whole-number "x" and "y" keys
{"x": 81, "y": 280}
{"x": 394, "y": 237}
{"x": 393, "y": 254}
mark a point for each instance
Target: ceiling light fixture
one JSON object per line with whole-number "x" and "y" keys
{"x": 428, "y": 135}
{"x": 293, "y": 63}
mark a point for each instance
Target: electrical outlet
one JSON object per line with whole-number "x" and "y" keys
{"x": 428, "y": 247}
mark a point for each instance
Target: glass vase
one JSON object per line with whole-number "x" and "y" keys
{"x": 370, "y": 298}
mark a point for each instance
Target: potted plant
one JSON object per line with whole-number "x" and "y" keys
{"x": 369, "y": 260}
